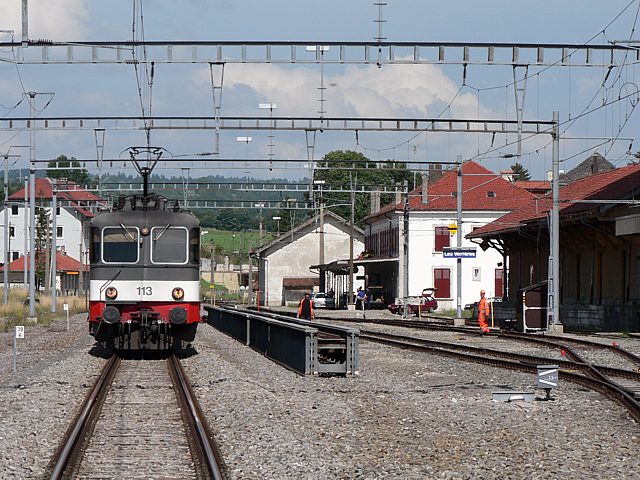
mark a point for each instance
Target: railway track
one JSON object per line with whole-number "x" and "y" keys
{"x": 594, "y": 377}
{"x": 140, "y": 420}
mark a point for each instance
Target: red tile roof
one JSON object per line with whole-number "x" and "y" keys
{"x": 44, "y": 189}
{"x": 534, "y": 186}
{"x": 610, "y": 185}
{"x": 477, "y": 183}
{"x": 64, "y": 263}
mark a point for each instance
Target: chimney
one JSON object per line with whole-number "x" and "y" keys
{"x": 425, "y": 190}
{"x": 375, "y": 202}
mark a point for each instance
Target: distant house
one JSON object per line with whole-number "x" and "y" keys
{"x": 486, "y": 196}
{"x": 599, "y": 249}
{"x": 69, "y": 272}
{"x": 596, "y": 163}
{"x": 75, "y": 209}
{"x": 285, "y": 263}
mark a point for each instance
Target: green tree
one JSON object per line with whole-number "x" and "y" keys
{"x": 43, "y": 243}
{"x": 520, "y": 173}
{"x": 347, "y": 169}
{"x": 74, "y": 173}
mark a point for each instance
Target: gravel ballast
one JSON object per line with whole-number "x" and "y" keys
{"x": 407, "y": 415}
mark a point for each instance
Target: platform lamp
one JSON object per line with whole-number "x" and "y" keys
{"x": 277, "y": 219}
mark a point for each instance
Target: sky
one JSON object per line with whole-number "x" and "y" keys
{"x": 404, "y": 91}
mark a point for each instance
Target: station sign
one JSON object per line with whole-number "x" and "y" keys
{"x": 459, "y": 252}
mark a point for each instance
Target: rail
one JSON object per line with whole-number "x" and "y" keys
{"x": 82, "y": 426}
{"x": 209, "y": 461}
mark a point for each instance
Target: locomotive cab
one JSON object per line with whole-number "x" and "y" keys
{"x": 145, "y": 275}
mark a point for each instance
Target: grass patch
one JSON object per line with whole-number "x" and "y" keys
{"x": 451, "y": 312}
{"x": 16, "y": 312}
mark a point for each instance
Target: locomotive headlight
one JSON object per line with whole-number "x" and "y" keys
{"x": 111, "y": 293}
{"x": 178, "y": 293}
{"x": 144, "y": 231}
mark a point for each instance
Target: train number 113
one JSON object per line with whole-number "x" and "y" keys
{"x": 145, "y": 291}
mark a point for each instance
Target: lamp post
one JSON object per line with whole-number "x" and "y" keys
{"x": 260, "y": 206}
{"x": 271, "y": 107}
{"x": 277, "y": 219}
{"x": 320, "y": 183}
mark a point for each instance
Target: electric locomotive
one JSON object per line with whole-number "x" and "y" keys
{"x": 145, "y": 274}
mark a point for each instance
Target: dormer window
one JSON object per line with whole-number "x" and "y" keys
{"x": 491, "y": 194}
{"x": 454, "y": 194}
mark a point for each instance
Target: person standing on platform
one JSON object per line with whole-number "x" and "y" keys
{"x": 361, "y": 297}
{"x": 483, "y": 313}
{"x": 305, "y": 308}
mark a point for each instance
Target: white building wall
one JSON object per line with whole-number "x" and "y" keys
{"x": 477, "y": 273}
{"x": 71, "y": 233}
{"x": 294, "y": 259}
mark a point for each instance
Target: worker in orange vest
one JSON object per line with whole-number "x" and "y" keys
{"x": 483, "y": 313}
{"x": 305, "y": 308}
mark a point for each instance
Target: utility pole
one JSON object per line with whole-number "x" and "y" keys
{"x": 405, "y": 246}
{"x": 32, "y": 200}
{"x": 6, "y": 230}
{"x": 351, "y": 221}
{"x": 459, "y": 319}
{"x": 26, "y": 230}
{"x": 54, "y": 247}
{"x": 553, "y": 286}
{"x": 32, "y": 206}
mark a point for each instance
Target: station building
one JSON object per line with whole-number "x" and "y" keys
{"x": 288, "y": 264}
{"x": 430, "y": 216}
{"x": 599, "y": 249}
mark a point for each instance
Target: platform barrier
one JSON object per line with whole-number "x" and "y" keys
{"x": 306, "y": 347}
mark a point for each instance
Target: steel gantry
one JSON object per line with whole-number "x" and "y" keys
{"x": 49, "y": 52}
{"x": 306, "y": 124}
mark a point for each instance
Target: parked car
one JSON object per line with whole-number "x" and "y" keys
{"x": 323, "y": 300}
{"x": 425, "y": 303}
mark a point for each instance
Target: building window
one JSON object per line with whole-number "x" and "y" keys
{"x": 59, "y": 232}
{"x": 14, "y": 210}
{"x": 12, "y": 232}
{"x": 57, "y": 211}
{"x": 442, "y": 238}
{"x": 442, "y": 282}
{"x": 475, "y": 274}
{"x": 15, "y": 256}
{"x": 491, "y": 194}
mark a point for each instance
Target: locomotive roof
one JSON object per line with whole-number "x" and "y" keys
{"x": 150, "y": 210}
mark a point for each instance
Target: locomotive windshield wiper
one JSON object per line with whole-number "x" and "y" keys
{"x": 127, "y": 231}
{"x": 161, "y": 232}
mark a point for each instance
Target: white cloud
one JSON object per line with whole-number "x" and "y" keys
{"x": 52, "y": 19}
{"x": 393, "y": 91}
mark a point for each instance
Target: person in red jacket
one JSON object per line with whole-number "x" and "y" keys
{"x": 483, "y": 313}
{"x": 305, "y": 308}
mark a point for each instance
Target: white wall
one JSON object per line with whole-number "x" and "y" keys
{"x": 71, "y": 231}
{"x": 423, "y": 259}
{"x": 294, "y": 259}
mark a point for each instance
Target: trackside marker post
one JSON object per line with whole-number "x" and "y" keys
{"x": 65, "y": 307}
{"x": 19, "y": 334}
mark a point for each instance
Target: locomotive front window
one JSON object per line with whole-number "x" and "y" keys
{"x": 169, "y": 245}
{"x": 120, "y": 244}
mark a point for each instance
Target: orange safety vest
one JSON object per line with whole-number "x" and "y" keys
{"x": 483, "y": 308}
